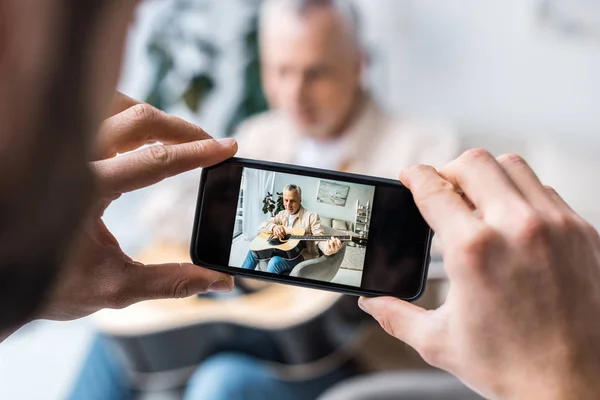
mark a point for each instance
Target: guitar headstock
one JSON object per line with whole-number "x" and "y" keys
{"x": 360, "y": 240}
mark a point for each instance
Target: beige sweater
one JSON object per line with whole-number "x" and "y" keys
{"x": 374, "y": 144}
{"x": 307, "y": 220}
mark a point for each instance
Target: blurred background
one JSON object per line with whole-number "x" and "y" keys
{"x": 509, "y": 76}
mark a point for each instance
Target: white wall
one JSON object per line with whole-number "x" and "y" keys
{"x": 310, "y": 186}
{"x": 485, "y": 66}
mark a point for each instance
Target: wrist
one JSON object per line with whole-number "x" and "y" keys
{"x": 577, "y": 382}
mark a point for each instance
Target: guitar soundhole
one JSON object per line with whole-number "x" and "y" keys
{"x": 276, "y": 241}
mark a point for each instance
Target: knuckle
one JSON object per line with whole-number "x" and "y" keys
{"x": 197, "y": 147}
{"x": 511, "y": 159}
{"x": 388, "y": 326}
{"x": 532, "y": 229}
{"x": 417, "y": 169}
{"x": 563, "y": 222}
{"x": 180, "y": 289}
{"x": 551, "y": 191}
{"x": 475, "y": 249}
{"x": 414, "y": 172}
{"x": 433, "y": 187}
{"x": 159, "y": 154}
{"x": 142, "y": 113}
{"x": 475, "y": 153}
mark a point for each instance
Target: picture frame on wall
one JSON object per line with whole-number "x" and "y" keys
{"x": 332, "y": 193}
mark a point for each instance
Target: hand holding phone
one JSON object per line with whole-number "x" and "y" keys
{"x": 321, "y": 229}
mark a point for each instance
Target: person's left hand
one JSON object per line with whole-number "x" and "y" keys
{"x": 333, "y": 246}
{"x": 98, "y": 274}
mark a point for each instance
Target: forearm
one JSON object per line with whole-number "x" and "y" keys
{"x": 558, "y": 381}
{"x": 569, "y": 391}
{"x": 269, "y": 227}
{"x": 323, "y": 247}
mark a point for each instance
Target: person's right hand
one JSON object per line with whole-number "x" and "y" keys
{"x": 279, "y": 232}
{"x": 521, "y": 320}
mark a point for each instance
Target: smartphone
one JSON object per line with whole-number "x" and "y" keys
{"x": 320, "y": 229}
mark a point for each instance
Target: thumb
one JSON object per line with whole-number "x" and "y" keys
{"x": 401, "y": 319}
{"x": 178, "y": 281}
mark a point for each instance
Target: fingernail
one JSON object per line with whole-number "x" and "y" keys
{"x": 219, "y": 287}
{"x": 362, "y": 305}
{"x": 227, "y": 142}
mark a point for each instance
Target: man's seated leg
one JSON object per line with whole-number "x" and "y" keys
{"x": 234, "y": 376}
{"x": 250, "y": 262}
{"x": 279, "y": 265}
{"x": 102, "y": 377}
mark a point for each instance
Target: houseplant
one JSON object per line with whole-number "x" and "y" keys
{"x": 172, "y": 38}
{"x": 273, "y": 207}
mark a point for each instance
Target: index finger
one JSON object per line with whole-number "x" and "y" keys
{"x": 120, "y": 103}
{"x": 486, "y": 184}
{"x": 442, "y": 207}
{"x": 146, "y": 167}
{"x": 141, "y": 124}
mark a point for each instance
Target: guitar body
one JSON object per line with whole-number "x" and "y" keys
{"x": 291, "y": 346}
{"x": 265, "y": 246}
{"x": 302, "y": 332}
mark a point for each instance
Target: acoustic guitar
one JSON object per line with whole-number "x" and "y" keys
{"x": 266, "y": 245}
{"x": 303, "y": 333}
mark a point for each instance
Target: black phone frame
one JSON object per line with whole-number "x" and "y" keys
{"x": 296, "y": 281}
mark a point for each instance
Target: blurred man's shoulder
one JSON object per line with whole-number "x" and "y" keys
{"x": 267, "y": 136}
{"x": 410, "y": 140}
{"x": 263, "y": 125}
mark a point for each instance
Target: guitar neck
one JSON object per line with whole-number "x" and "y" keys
{"x": 320, "y": 238}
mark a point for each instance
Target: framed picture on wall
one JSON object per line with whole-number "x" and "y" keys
{"x": 332, "y": 193}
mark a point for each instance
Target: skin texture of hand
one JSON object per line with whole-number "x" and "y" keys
{"x": 279, "y": 232}
{"x": 520, "y": 319}
{"x": 98, "y": 274}
{"x": 333, "y": 246}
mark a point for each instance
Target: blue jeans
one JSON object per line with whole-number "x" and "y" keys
{"x": 224, "y": 376}
{"x": 102, "y": 376}
{"x": 277, "y": 265}
{"x": 234, "y": 376}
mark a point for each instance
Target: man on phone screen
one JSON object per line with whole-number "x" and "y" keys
{"x": 294, "y": 216}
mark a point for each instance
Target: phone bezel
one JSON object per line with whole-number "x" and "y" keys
{"x": 296, "y": 281}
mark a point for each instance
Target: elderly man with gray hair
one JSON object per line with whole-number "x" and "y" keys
{"x": 294, "y": 216}
{"x": 322, "y": 115}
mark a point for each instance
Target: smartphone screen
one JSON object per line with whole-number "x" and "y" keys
{"x": 322, "y": 229}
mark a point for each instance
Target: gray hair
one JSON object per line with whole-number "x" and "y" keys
{"x": 345, "y": 8}
{"x": 289, "y": 188}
